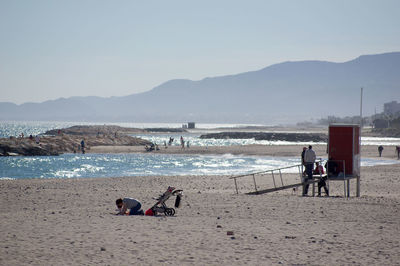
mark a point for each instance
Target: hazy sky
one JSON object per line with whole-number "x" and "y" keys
{"x": 52, "y": 49}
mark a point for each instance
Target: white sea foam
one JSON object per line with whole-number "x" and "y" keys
{"x": 7, "y": 178}
{"x": 66, "y": 174}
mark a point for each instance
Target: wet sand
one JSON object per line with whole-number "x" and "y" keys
{"x": 370, "y": 151}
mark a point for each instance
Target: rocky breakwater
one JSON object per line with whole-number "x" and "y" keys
{"x": 270, "y": 136}
{"x": 68, "y": 140}
{"x": 94, "y": 130}
{"x": 384, "y": 132}
{"x": 23, "y": 146}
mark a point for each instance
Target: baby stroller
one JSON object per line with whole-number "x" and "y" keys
{"x": 161, "y": 207}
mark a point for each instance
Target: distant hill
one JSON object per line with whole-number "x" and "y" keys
{"x": 280, "y": 93}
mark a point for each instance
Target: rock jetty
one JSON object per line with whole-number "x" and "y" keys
{"x": 386, "y": 132}
{"x": 68, "y": 140}
{"x": 23, "y": 146}
{"x": 271, "y": 136}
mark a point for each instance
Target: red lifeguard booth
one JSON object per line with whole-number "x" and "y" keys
{"x": 344, "y": 150}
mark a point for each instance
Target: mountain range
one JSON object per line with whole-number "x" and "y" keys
{"x": 281, "y": 93}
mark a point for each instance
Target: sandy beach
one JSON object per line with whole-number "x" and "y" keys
{"x": 70, "y": 221}
{"x": 234, "y": 109}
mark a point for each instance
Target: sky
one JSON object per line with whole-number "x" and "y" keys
{"x": 51, "y": 49}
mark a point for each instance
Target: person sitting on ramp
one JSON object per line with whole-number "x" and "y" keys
{"x": 134, "y": 206}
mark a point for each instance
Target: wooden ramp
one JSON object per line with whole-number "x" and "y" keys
{"x": 269, "y": 190}
{"x": 278, "y": 183}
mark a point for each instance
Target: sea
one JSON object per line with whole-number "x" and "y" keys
{"x": 151, "y": 164}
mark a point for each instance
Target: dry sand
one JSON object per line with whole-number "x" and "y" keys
{"x": 69, "y": 222}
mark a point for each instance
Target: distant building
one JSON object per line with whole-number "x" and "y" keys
{"x": 189, "y": 125}
{"x": 380, "y": 123}
{"x": 391, "y": 108}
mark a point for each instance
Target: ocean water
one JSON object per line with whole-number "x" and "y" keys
{"x": 117, "y": 165}
{"x": 114, "y": 165}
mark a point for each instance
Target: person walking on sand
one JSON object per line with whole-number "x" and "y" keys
{"x": 309, "y": 159}
{"x": 398, "y": 152}
{"x": 134, "y": 206}
{"x": 380, "y": 149}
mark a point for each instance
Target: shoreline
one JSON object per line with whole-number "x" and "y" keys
{"x": 368, "y": 151}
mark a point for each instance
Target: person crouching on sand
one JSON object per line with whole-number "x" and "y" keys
{"x": 134, "y": 206}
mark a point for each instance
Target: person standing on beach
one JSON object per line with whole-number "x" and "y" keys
{"x": 380, "y": 149}
{"x": 302, "y": 160}
{"x": 182, "y": 143}
{"x": 83, "y": 146}
{"x": 309, "y": 159}
{"x": 398, "y": 152}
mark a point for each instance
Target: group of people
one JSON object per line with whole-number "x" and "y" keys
{"x": 308, "y": 158}
{"x": 81, "y": 147}
{"x": 380, "y": 150}
{"x": 152, "y": 147}
{"x": 171, "y": 140}
{"x": 37, "y": 138}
